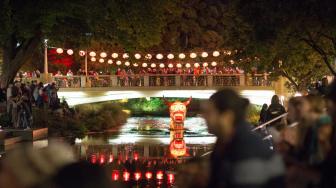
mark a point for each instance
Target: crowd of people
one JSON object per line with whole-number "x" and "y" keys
{"x": 20, "y": 98}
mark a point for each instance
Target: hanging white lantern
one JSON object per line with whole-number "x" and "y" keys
{"x": 193, "y": 55}
{"x": 81, "y": 53}
{"x": 115, "y": 55}
{"x": 125, "y": 55}
{"x": 59, "y": 50}
{"x": 170, "y": 65}
{"x": 153, "y": 65}
{"x": 188, "y": 65}
{"x": 196, "y": 65}
{"x": 214, "y": 63}
{"x": 182, "y": 55}
{"x": 215, "y": 53}
{"x": 162, "y": 65}
{"x": 178, "y": 65}
{"x": 101, "y": 60}
{"x": 118, "y": 62}
{"x": 148, "y": 56}
{"x": 137, "y": 56}
{"x": 110, "y": 61}
{"x": 170, "y": 56}
{"x": 205, "y": 64}
{"x": 135, "y": 65}
{"x": 159, "y": 56}
{"x": 69, "y": 52}
{"x": 103, "y": 55}
{"x": 127, "y": 63}
{"x": 92, "y": 54}
{"x": 204, "y": 54}
{"x": 144, "y": 65}
{"x": 93, "y": 59}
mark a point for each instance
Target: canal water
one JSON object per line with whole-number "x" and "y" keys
{"x": 145, "y": 151}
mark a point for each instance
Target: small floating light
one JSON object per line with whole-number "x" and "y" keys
{"x": 92, "y": 54}
{"x": 115, "y": 55}
{"x": 59, "y": 50}
{"x": 182, "y": 56}
{"x": 69, "y": 52}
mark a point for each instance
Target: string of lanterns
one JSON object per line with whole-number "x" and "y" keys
{"x": 159, "y": 56}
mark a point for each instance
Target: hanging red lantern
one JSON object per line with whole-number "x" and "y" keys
{"x": 126, "y": 176}
{"x": 115, "y": 175}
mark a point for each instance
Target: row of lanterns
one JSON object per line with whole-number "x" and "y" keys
{"x": 137, "y": 176}
{"x": 154, "y": 65}
{"x": 138, "y": 56}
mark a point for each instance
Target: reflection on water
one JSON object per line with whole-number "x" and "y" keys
{"x": 143, "y": 148}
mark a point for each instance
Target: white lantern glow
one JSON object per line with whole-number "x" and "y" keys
{"x": 205, "y": 64}
{"x": 69, "y": 52}
{"x": 81, "y": 53}
{"x": 127, "y": 63}
{"x": 170, "y": 56}
{"x": 137, "y": 56}
{"x": 118, "y": 62}
{"x": 103, "y": 55}
{"x": 215, "y": 53}
{"x": 59, "y": 50}
{"x": 148, "y": 56}
{"x": 135, "y": 65}
{"x": 110, "y": 61}
{"x": 214, "y": 63}
{"x": 93, "y": 59}
{"x": 159, "y": 56}
{"x": 196, "y": 65}
{"x": 178, "y": 65}
{"x": 188, "y": 65}
{"x": 182, "y": 56}
{"x": 115, "y": 55}
{"x": 144, "y": 65}
{"x": 101, "y": 60}
{"x": 162, "y": 65}
{"x": 232, "y": 62}
{"x": 170, "y": 65}
{"x": 92, "y": 54}
{"x": 125, "y": 55}
{"x": 153, "y": 65}
{"x": 193, "y": 55}
{"x": 204, "y": 54}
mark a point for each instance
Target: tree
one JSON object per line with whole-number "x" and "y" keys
{"x": 126, "y": 23}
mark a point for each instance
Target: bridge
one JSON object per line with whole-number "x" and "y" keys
{"x": 99, "y": 88}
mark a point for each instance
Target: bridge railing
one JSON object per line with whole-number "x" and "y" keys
{"x": 162, "y": 80}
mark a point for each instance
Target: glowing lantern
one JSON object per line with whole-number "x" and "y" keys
{"x": 135, "y": 65}
{"x": 118, "y": 62}
{"x": 92, "y": 54}
{"x": 69, "y": 52}
{"x": 204, "y": 54}
{"x": 214, "y": 63}
{"x": 170, "y": 178}
{"x": 232, "y": 62}
{"x": 127, "y": 63}
{"x": 109, "y": 61}
{"x": 148, "y": 56}
{"x": 59, "y": 50}
{"x": 170, "y": 65}
{"x": 125, "y": 55}
{"x": 162, "y": 65}
{"x": 101, "y": 60}
{"x": 102, "y": 159}
{"x": 93, "y": 159}
{"x": 153, "y": 65}
{"x": 196, "y": 65}
{"x": 110, "y": 158}
{"x": 93, "y": 59}
{"x": 182, "y": 56}
{"x": 159, "y": 175}
{"x": 81, "y": 53}
{"x": 137, "y": 56}
{"x": 103, "y": 55}
{"x": 126, "y": 176}
{"x": 115, "y": 175}
{"x": 215, "y": 53}
{"x": 205, "y": 64}
{"x": 144, "y": 65}
{"x": 179, "y": 65}
{"x": 115, "y": 55}
{"x": 170, "y": 56}
{"x": 159, "y": 56}
{"x": 188, "y": 65}
{"x": 148, "y": 175}
{"x": 193, "y": 55}
{"x": 137, "y": 176}
{"x": 136, "y": 156}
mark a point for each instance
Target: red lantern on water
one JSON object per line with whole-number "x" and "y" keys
{"x": 159, "y": 175}
{"x": 115, "y": 175}
{"x": 137, "y": 176}
{"x": 110, "y": 158}
{"x": 102, "y": 159}
{"x": 149, "y": 175}
{"x": 126, "y": 176}
{"x": 93, "y": 159}
{"x": 170, "y": 178}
